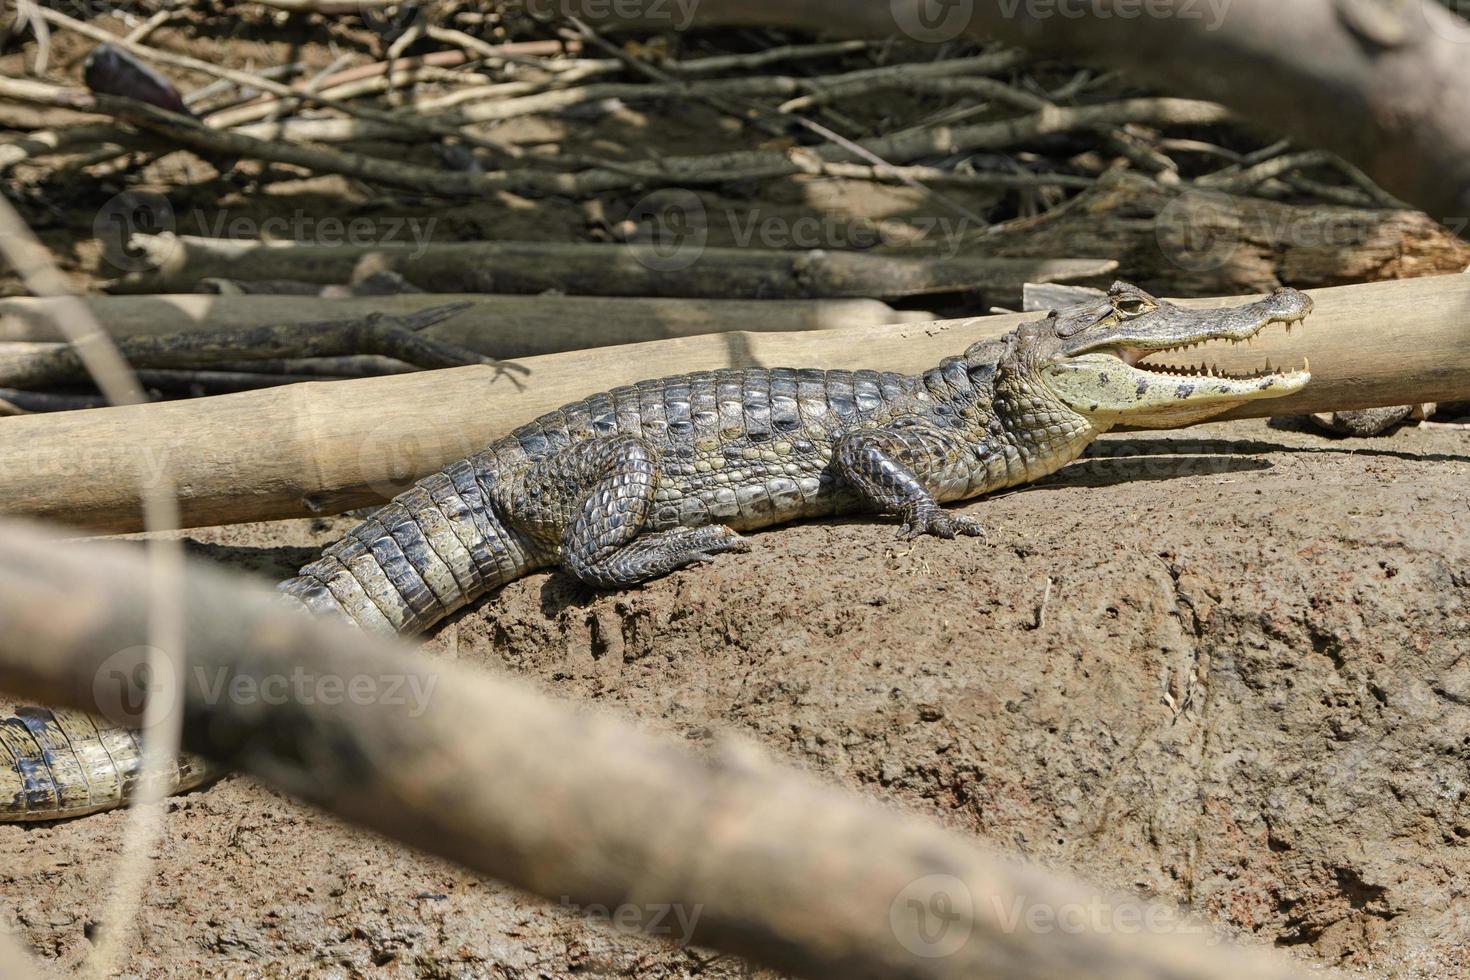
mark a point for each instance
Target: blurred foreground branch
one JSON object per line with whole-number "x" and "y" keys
{"x": 574, "y": 805}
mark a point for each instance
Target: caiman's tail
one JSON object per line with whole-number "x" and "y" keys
{"x": 433, "y": 549}
{"x": 56, "y": 763}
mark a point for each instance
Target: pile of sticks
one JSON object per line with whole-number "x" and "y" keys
{"x": 298, "y": 312}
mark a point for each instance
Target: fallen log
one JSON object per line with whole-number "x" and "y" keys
{"x": 1190, "y": 241}
{"x": 570, "y": 803}
{"x": 684, "y": 268}
{"x": 495, "y": 325}
{"x": 324, "y": 448}
{"x": 39, "y": 365}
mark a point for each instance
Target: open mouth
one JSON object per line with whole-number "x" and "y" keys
{"x": 1207, "y": 367}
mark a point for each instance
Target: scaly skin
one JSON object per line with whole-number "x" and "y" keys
{"x": 631, "y": 484}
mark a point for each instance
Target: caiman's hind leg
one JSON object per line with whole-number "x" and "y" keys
{"x": 893, "y": 469}
{"x": 592, "y": 502}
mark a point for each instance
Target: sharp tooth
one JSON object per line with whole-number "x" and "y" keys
{"x": 1306, "y": 364}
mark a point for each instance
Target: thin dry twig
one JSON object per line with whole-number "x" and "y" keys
{"x": 28, "y": 14}
{"x": 30, "y": 260}
{"x": 244, "y": 78}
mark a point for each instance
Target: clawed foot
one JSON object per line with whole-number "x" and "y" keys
{"x": 706, "y": 542}
{"x": 651, "y": 555}
{"x": 941, "y": 525}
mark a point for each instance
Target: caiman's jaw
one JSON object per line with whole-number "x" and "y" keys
{"x": 1101, "y": 372}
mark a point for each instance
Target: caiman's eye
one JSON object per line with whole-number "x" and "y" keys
{"x": 1131, "y": 307}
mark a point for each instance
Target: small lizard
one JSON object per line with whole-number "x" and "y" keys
{"x": 630, "y": 484}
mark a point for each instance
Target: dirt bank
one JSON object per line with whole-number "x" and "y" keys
{"x": 1248, "y": 691}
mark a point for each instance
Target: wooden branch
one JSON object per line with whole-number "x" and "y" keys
{"x": 589, "y": 269}
{"x": 13, "y": 401}
{"x": 1387, "y": 86}
{"x": 495, "y": 325}
{"x": 69, "y": 139}
{"x": 572, "y": 804}
{"x": 395, "y": 337}
{"x": 324, "y": 448}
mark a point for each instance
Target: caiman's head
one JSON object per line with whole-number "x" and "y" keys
{"x": 1093, "y": 357}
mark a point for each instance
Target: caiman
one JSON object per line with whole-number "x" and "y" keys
{"x": 630, "y": 484}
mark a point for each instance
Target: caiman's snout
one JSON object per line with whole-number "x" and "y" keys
{"x": 1102, "y": 372}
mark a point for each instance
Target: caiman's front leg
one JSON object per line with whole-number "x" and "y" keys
{"x": 591, "y": 502}
{"x": 892, "y": 470}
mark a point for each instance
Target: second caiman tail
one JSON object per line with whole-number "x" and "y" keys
{"x": 632, "y": 483}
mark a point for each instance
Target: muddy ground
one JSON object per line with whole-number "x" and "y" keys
{"x": 1248, "y": 692}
